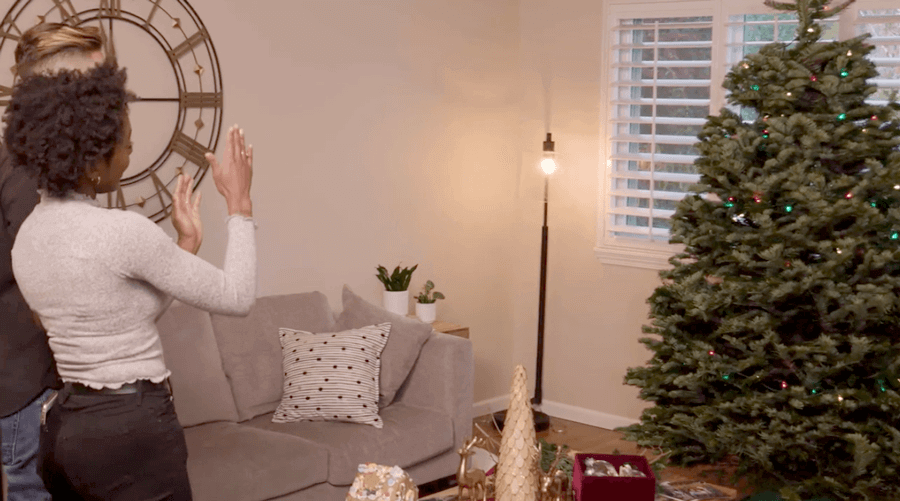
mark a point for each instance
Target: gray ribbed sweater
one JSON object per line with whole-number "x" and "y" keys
{"x": 100, "y": 278}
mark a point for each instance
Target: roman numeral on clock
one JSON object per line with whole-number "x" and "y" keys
{"x": 111, "y": 8}
{"x": 160, "y": 190}
{"x": 201, "y": 100}
{"x": 189, "y": 44}
{"x": 152, "y": 13}
{"x": 120, "y": 199}
{"x": 190, "y": 149}
{"x": 5, "y": 93}
{"x": 69, "y": 16}
{"x": 6, "y": 31}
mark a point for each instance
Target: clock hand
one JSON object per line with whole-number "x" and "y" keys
{"x": 108, "y": 10}
{"x": 112, "y": 43}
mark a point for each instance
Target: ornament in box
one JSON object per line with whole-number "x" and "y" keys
{"x": 375, "y": 482}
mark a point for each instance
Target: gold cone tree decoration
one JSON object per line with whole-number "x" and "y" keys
{"x": 517, "y": 471}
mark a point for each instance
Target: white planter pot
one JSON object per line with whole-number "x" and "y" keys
{"x": 396, "y": 302}
{"x": 426, "y": 312}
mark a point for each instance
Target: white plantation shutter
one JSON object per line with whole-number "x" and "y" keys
{"x": 659, "y": 98}
{"x": 666, "y": 62}
{"x": 884, "y": 26}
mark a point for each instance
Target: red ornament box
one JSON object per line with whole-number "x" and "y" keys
{"x": 590, "y": 488}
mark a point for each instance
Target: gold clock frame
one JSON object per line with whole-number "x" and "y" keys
{"x": 180, "y": 53}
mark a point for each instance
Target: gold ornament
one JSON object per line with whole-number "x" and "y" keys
{"x": 473, "y": 480}
{"x": 555, "y": 482}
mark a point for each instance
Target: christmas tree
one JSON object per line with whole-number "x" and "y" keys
{"x": 778, "y": 327}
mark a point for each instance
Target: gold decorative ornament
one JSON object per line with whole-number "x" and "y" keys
{"x": 474, "y": 481}
{"x": 554, "y": 484}
{"x": 172, "y": 67}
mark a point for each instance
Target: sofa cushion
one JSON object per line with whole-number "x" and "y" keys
{"x": 331, "y": 376}
{"x": 234, "y": 461}
{"x": 201, "y": 392}
{"x": 410, "y": 435}
{"x": 407, "y": 337}
{"x": 251, "y": 353}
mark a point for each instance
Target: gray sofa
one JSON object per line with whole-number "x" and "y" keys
{"x": 227, "y": 381}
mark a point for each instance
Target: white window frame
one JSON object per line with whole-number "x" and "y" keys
{"x": 649, "y": 254}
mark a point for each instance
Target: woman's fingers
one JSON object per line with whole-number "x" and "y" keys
{"x": 213, "y": 163}
{"x": 188, "y": 189}
{"x": 235, "y": 145}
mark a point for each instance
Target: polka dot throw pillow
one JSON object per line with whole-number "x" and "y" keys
{"x": 331, "y": 376}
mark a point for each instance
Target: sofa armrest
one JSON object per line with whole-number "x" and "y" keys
{"x": 443, "y": 379}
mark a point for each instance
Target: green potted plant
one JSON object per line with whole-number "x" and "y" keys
{"x": 396, "y": 288}
{"x": 426, "y": 306}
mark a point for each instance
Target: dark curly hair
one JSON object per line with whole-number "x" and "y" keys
{"x": 60, "y": 125}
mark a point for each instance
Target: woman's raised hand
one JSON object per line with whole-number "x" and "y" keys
{"x": 186, "y": 215}
{"x": 232, "y": 177}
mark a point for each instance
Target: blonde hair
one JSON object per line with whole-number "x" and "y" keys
{"x": 46, "y": 43}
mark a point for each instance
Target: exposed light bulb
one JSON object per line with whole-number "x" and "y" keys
{"x": 548, "y": 163}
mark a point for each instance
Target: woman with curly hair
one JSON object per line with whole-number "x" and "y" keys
{"x": 98, "y": 279}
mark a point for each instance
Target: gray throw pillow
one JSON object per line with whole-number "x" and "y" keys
{"x": 402, "y": 350}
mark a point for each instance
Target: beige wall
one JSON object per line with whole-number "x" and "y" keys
{"x": 384, "y": 132}
{"x": 391, "y": 131}
{"x": 594, "y": 311}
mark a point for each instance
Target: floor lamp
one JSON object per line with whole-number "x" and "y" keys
{"x": 541, "y": 420}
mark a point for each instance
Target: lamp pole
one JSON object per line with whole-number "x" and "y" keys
{"x": 541, "y": 420}
{"x": 548, "y": 164}
{"x": 542, "y": 303}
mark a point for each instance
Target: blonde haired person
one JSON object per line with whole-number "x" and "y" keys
{"x": 27, "y": 370}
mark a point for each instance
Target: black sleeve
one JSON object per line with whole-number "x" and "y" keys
{"x": 18, "y": 196}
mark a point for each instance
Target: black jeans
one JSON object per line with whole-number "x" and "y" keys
{"x": 115, "y": 448}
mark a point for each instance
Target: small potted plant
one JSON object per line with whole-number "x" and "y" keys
{"x": 426, "y": 306}
{"x": 396, "y": 288}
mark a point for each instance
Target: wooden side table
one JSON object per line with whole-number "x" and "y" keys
{"x": 448, "y": 328}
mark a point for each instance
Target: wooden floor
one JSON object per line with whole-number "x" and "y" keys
{"x": 584, "y": 438}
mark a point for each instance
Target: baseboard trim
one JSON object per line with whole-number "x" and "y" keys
{"x": 562, "y": 411}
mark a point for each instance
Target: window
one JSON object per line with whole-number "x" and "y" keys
{"x": 665, "y": 74}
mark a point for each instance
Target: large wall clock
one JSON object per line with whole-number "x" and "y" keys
{"x": 173, "y": 68}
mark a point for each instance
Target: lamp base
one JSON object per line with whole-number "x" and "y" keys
{"x": 541, "y": 421}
